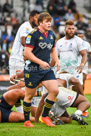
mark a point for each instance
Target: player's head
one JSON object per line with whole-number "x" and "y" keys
{"x": 80, "y": 34}
{"x": 33, "y": 18}
{"x": 44, "y": 21}
{"x": 69, "y": 29}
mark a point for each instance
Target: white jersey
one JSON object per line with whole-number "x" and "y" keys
{"x": 17, "y": 49}
{"x": 68, "y": 51}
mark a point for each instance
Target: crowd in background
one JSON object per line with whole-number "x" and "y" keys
{"x": 59, "y": 10}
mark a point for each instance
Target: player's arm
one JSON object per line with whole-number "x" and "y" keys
{"x": 83, "y": 60}
{"x": 30, "y": 56}
{"x": 39, "y": 109}
{"x": 55, "y": 58}
{"x": 17, "y": 86}
{"x": 18, "y": 75}
{"x": 23, "y": 40}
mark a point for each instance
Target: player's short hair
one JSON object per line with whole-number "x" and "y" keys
{"x": 44, "y": 15}
{"x": 69, "y": 22}
{"x": 34, "y": 12}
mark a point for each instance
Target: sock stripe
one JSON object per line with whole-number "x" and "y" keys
{"x": 26, "y": 108}
{"x": 48, "y": 105}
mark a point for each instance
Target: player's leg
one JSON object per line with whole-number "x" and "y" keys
{"x": 81, "y": 104}
{"x": 62, "y": 82}
{"x": 66, "y": 118}
{"x": 18, "y": 117}
{"x": 29, "y": 93}
{"x": 52, "y": 87}
{"x": 77, "y": 86}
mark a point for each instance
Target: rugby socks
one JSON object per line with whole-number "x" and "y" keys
{"x": 47, "y": 107}
{"x": 19, "y": 107}
{"x": 26, "y": 108}
{"x": 78, "y": 112}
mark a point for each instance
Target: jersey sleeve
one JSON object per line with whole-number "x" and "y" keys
{"x": 24, "y": 31}
{"x": 88, "y": 47}
{"x": 81, "y": 44}
{"x": 30, "y": 41}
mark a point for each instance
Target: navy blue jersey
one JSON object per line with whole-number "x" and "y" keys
{"x": 41, "y": 44}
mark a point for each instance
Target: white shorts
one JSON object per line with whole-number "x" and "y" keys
{"x": 35, "y": 101}
{"x": 65, "y": 99}
{"x": 67, "y": 76}
{"x": 15, "y": 65}
{"x": 79, "y": 77}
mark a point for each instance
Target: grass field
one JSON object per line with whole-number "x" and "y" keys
{"x": 17, "y": 129}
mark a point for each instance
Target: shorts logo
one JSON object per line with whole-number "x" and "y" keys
{"x": 27, "y": 75}
{"x": 41, "y": 38}
{"x": 44, "y": 45}
{"x": 30, "y": 84}
{"x": 70, "y": 98}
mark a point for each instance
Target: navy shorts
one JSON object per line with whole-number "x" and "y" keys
{"x": 5, "y": 109}
{"x": 32, "y": 79}
{"x": 5, "y": 114}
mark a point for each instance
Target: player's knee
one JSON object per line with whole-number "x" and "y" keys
{"x": 55, "y": 92}
{"x": 88, "y": 104}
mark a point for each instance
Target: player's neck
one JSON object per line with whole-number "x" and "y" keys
{"x": 68, "y": 37}
{"x": 42, "y": 30}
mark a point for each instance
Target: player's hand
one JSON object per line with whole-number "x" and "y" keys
{"x": 57, "y": 64}
{"x": 13, "y": 78}
{"x": 79, "y": 69}
{"x": 44, "y": 65}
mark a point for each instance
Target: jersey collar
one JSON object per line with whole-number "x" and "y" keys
{"x": 42, "y": 33}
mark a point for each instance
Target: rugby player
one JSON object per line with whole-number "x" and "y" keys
{"x": 68, "y": 48}
{"x": 66, "y": 98}
{"x": 7, "y": 101}
{"x": 16, "y": 61}
{"x": 39, "y": 45}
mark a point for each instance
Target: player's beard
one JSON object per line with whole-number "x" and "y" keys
{"x": 33, "y": 24}
{"x": 69, "y": 36}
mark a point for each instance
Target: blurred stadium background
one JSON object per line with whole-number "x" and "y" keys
{"x": 15, "y": 12}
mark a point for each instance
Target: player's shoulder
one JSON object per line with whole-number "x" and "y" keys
{"x": 24, "y": 24}
{"x": 77, "y": 38}
{"x": 33, "y": 32}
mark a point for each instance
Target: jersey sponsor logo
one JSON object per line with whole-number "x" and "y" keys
{"x": 44, "y": 45}
{"x": 28, "y": 39}
{"x": 61, "y": 45}
{"x": 70, "y": 46}
{"x": 27, "y": 31}
{"x": 51, "y": 37}
{"x": 30, "y": 84}
{"x": 41, "y": 38}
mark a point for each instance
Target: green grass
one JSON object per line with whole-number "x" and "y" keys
{"x": 17, "y": 129}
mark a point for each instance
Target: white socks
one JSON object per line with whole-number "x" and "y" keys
{"x": 78, "y": 112}
{"x": 20, "y": 109}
